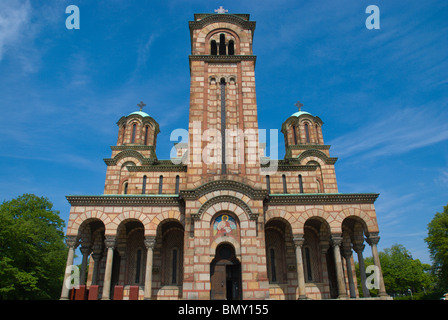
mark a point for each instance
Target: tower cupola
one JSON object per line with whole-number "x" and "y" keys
{"x": 302, "y": 128}
{"x": 137, "y": 128}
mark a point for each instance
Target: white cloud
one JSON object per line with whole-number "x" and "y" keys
{"x": 392, "y": 134}
{"x": 14, "y": 15}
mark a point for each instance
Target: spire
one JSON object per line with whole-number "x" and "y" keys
{"x": 141, "y": 105}
{"x": 299, "y": 105}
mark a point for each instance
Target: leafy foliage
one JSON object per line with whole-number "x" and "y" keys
{"x": 32, "y": 249}
{"x": 437, "y": 241}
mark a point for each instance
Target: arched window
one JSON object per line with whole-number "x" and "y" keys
{"x": 177, "y": 185}
{"x": 231, "y": 48}
{"x": 144, "y": 185}
{"x": 308, "y": 264}
{"x": 268, "y": 183}
{"x": 174, "y": 266}
{"x": 222, "y": 44}
{"x": 125, "y": 188}
{"x": 213, "y": 48}
{"x": 300, "y": 183}
{"x": 124, "y": 133}
{"x": 273, "y": 271}
{"x": 138, "y": 265}
{"x": 319, "y": 188}
{"x": 146, "y": 135}
{"x": 307, "y": 133}
{"x": 134, "y": 129}
{"x": 294, "y": 133}
{"x": 317, "y": 133}
{"x": 160, "y": 184}
{"x": 285, "y": 190}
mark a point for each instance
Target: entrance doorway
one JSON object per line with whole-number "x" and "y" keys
{"x": 225, "y": 274}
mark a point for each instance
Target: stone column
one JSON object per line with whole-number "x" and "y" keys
{"x": 96, "y": 261}
{"x": 85, "y": 250}
{"x": 110, "y": 245}
{"x": 336, "y": 242}
{"x": 298, "y": 243}
{"x": 347, "y": 253}
{"x": 359, "y": 248}
{"x": 71, "y": 243}
{"x": 373, "y": 240}
{"x": 149, "y": 243}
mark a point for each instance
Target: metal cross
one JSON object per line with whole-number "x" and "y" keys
{"x": 299, "y": 105}
{"x": 221, "y": 10}
{"x": 141, "y": 105}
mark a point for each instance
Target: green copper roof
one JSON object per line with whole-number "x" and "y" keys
{"x": 299, "y": 113}
{"x": 141, "y": 113}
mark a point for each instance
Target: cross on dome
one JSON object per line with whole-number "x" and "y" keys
{"x": 299, "y": 105}
{"x": 141, "y": 105}
{"x": 221, "y": 10}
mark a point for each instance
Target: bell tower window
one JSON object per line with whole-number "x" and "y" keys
{"x": 134, "y": 129}
{"x": 222, "y": 44}
{"x": 231, "y": 48}
{"x": 307, "y": 133}
{"x": 213, "y": 48}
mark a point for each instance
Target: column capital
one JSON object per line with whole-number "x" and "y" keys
{"x": 71, "y": 241}
{"x": 150, "y": 242}
{"x": 373, "y": 239}
{"x": 346, "y": 252}
{"x": 298, "y": 240}
{"x": 96, "y": 256}
{"x": 85, "y": 249}
{"x": 110, "y": 242}
{"x": 358, "y": 247}
{"x": 336, "y": 240}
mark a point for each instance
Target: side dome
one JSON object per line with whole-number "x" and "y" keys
{"x": 137, "y": 128}
{"x": 302, "y": 128}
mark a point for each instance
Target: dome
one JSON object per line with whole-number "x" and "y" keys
{"x": 140, "y": 113}
{"x": 299, "y": 113}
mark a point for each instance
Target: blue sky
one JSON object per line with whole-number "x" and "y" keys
{"x": 382, "y": 94}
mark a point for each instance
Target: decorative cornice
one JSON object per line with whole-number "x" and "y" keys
{"x": 230, "y": 18}
{"x": 222, "y": 59}
{"x": 283, "y": 165}
{"x": 158, "y": 168}
{"x": 322, "y": 198}
{"x": 309, "y": 146}
{"x": 318, "y": 154}
{"x": 128, "y": 152}
{"x": 125, "y": 200}
{"x": 219, "y": 185}
{"x": 132, "y": 147}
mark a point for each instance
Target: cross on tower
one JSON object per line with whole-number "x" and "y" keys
{"x": 299, "y": 105}
{"x": 221, "y": 10}
{"x": 141, "y": 105}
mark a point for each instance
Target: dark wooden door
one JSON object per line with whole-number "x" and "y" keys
{"x": 218, "y": 282}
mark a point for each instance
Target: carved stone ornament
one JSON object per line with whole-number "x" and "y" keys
{"x": 71, "y": 241}
{"x": 298, "y": 241}
{"x": 110, "y": 242}
{"x": 150, "y": 242}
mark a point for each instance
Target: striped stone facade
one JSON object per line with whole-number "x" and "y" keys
{"x": 192, "y": 228}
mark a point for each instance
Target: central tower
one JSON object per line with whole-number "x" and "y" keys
{"x": 223, "y": 125}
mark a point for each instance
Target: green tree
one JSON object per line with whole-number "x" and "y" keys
{"x": 437, "y": 241}
{"x": 32, "y": 249}
{"x": 401, "y": 272}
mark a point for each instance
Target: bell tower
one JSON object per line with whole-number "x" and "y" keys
{"x": 223, "y": 124}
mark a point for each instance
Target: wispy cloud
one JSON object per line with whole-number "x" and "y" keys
{"x": 14, "y": 16}
{"x": 392, "y": 134}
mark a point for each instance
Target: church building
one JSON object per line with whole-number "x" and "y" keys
{"x": 219, "y": 220}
